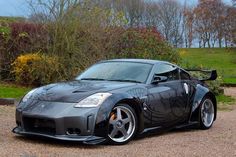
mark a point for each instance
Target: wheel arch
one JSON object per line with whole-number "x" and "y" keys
{"x": 102, "y": 118}
{"x": 201, "y": 93}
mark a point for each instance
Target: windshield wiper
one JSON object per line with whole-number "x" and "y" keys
{"x": 126, "y": 81}
{"x": 94, "y": 79}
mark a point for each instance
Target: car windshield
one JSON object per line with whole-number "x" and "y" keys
{"x": 117, "y": 71}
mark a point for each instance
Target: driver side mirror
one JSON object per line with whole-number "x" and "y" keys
{"x": 157, "y": 79}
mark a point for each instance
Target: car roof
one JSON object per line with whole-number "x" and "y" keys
{"x": 137, "y": 60}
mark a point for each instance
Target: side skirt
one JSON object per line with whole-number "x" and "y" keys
{"x": 161, "y": 129}
{"x": 190, "y": 124}
{"x": 151, "y": 129}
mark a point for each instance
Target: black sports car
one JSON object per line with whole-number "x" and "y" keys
{"x": 115, "y": 100}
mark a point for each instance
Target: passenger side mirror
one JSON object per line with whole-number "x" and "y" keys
{"x": 157, "y": 79}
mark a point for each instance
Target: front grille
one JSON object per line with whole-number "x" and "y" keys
{"x": 39, "y": 125}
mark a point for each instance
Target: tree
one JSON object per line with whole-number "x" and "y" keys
{"x": 211, "y": 22}
{"x": 170, "y": 19}
{"x": 203, "y": 23}
{"x": 188, "y": 26}
{"x": 230, "y": 26}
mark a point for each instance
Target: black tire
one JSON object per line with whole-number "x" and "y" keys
{"x": 206, "y": 122}
{"x": 115, "y": 123}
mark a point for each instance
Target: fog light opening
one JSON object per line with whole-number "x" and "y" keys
{"x": 73, "y": 131}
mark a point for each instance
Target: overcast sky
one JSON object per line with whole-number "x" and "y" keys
{"x": 19, "y": 7}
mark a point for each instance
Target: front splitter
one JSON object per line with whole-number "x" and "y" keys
{"x": 84, "y": 139}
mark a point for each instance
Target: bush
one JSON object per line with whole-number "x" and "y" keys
{"x": 76, "y": 47}
{"x": 215, "y": 86}
{"x": 143, "y": 43}
{"x": 36, "y": 69}
{"x": 17, "y": 38}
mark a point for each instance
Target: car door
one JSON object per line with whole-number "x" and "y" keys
{"x": 166, "y": 100}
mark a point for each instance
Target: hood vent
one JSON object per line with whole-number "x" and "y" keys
{"x": 79, "y": 91}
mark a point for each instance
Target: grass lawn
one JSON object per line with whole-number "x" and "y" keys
{"x": 225, "y": 102}
{"x": 12, "y": 91}
{"x": 225, "y": 99}
{"x": 221, "y": 59}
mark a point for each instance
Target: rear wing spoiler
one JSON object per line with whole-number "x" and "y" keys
{"x": 211, "y": 74}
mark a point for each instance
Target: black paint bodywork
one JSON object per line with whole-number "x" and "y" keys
{"x": 51, "y": 112}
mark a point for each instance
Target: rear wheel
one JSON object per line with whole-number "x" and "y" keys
{"x": 122, "y": 124}
{"x": 207, "y": 113}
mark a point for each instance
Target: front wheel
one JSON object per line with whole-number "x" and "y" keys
{"x": 122, "y": 124}
{"x": 207, "y": 113}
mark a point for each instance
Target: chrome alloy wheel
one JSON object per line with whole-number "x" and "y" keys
{"x": 207, "y": 113}
{"x": 122, "y": 124}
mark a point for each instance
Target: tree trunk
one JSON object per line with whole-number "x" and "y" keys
{"x": 220, "y": 43}
{"x": 189, "y": 43}
{"x": 208, "y": 43}
{"x": 204, "y": 44}
{"x": 186, "y": 43}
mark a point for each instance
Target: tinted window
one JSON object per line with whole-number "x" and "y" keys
{"x": 118, "y": 71}
{"x": 170, "y": 71}
{"x": 184, "y": 75}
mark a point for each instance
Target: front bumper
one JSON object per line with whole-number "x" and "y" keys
{"x": 84, "y": 139}
{"x": 58, "y": 121}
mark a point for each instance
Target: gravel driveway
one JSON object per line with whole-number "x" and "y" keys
{"x": 220, "y": 140}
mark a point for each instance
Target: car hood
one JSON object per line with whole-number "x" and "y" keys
{"x": 74, "y": 91}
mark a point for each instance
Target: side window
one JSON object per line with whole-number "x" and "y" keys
{"x": 170, "y": 71}
{"x": 184, "y": 75}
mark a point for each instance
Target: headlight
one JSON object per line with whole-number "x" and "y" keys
{"x": 93, "y": 100}
{"x": 28, "y": 95}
